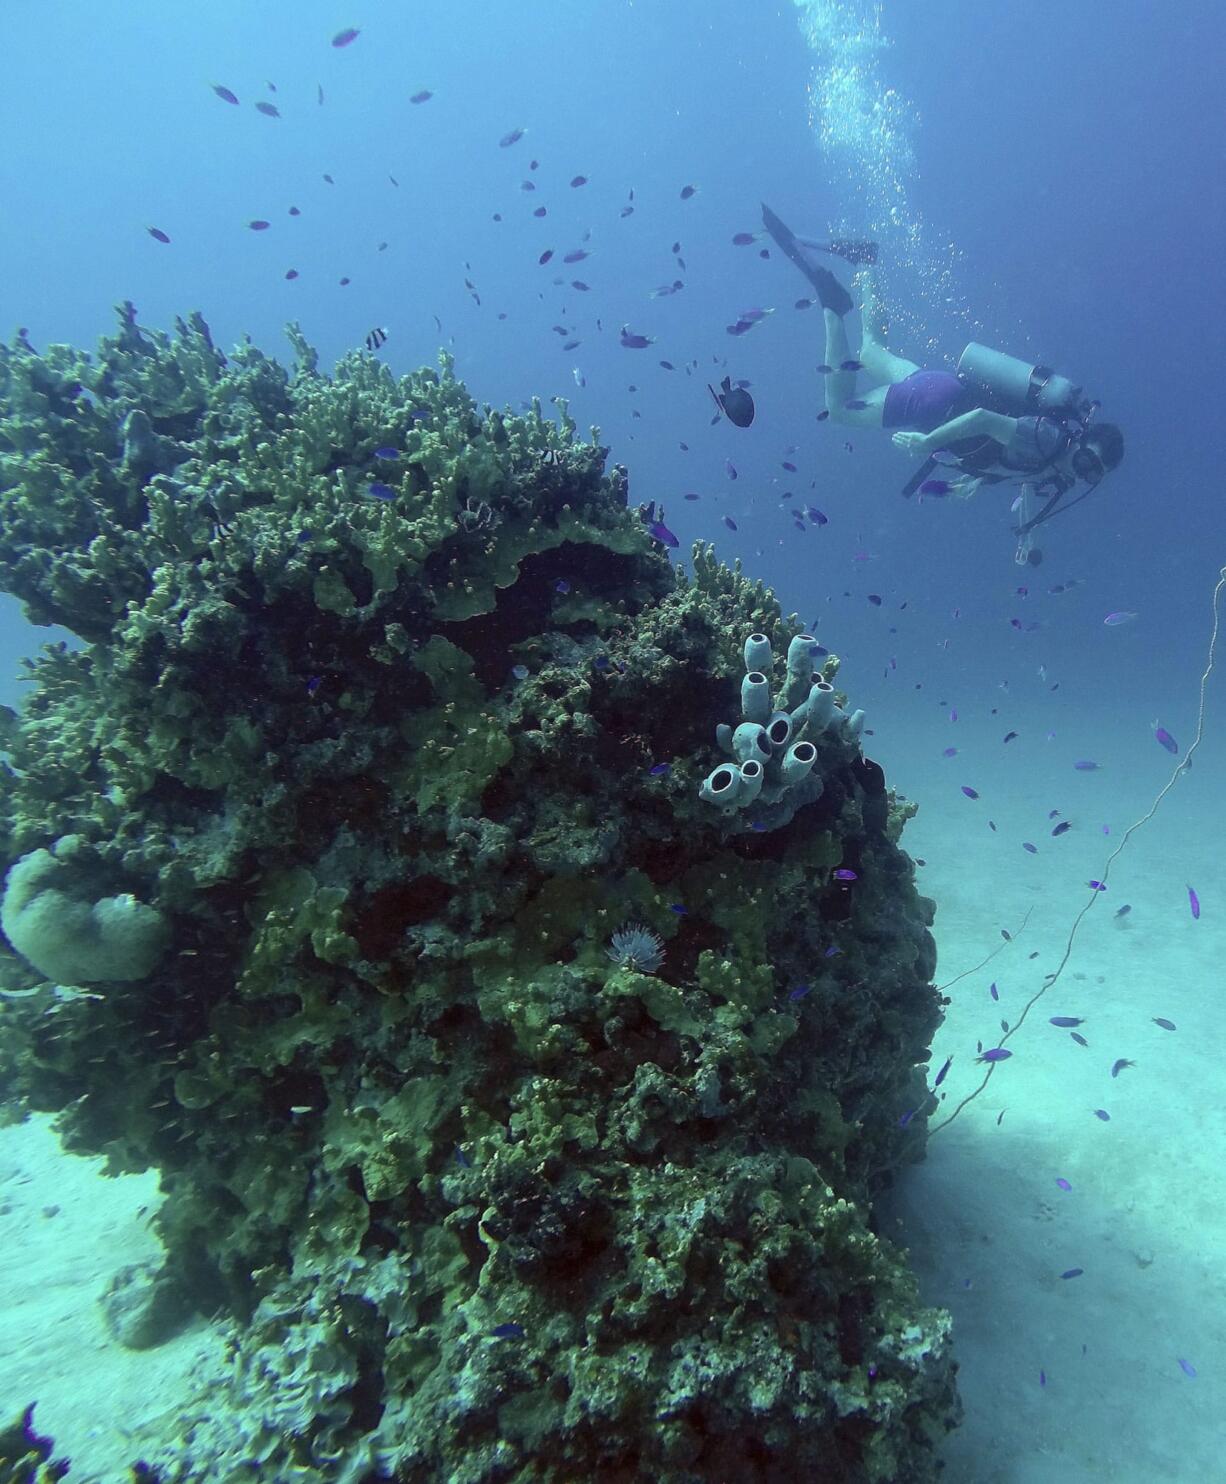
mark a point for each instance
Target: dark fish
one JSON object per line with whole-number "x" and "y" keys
{"x": 822, "y": 416}
{"x": 1193, "y": 902}
{"x": 730, "y": 523}
{"x": 730, "y": 469}
{"x": 1124, "y": 910}
{"x": 799, "y": 992}
{"x": 743, "y": 239}
{"x": 875, "y": 600}
{"x": 824, "y": 370}
{"x": 377, "y": 490}
{"x": 157, "y": 234}
{"x": 577, "y": 256}
{"x": 1072, "y": 1272}
{"x": 679, "y": 908}
{"x": 816, "y": 516}
{"x": 509, "y": 1331}
{"x": 270, "y": 110}
{"x": 344, "y": 282}
{"x": 804, "y": 304}
{"x": 462, "y": 1159}
{"x": 328, "y": 178}
{"x": 319, "y": 93}
{"x": 1010, "y": 736}
{"x": 734, "y": 402}
{"x": 935, "y": 487}
{"x": 997, "y": 1053}
{"x": 1119, "y": 1066}
{"x": 791, "y": 468}
{"x": 578, "y": 180}
{"x": 659, "y": 770}
{"x": 546, "y": 255}
{"x": 387, "y": 452}
{"x": 1186, "y": 1367}
{"x": 943, "y": 1073}
{"x": 1079, "y": 1038}
{"x": 688, "y": 191}
{"x": 423, "y": 97}
{"x": 1086, "y": 765}
{"x": 259, "y": 225}
{"x": 343, "y": 38}
{"x": 578, "y": 283}
{"x": 561, "y": 586}
{"x": 291, "y": 273}
{"x": 224, "y": 94}
{"x": 658, "y": 531}
{"x": 689, "y": 495}
{"x": 969, "y": 792}
{"x": 631, "y": 341}
{"x": 1102, "y": 1115}
{"x": 1064, "y": 1021}
{"x": 1062, "y": 1183}
{"x": 293, "y": 211}
{"x": 852, "y": 365}
{"x": 512, "y": 138}
{"x": 1063, "y": 827}
{"x": 844, "y": 873}
{"x": 1167, "y": 1025}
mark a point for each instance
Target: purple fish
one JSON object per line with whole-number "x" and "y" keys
{"x": 1062, "y": 828}
{"x": 270, "y": 110}
{"x": 1164, "y": 738}
{"x": 730, "y": 523}
{"x": 423, "y": 97}
{"x": 377, "y": 490}
{"x": 1102, "y": 1115}
{"x": 291, "y": 273}
{"x": 799, "y": 992}
{"x": 1063, "y": 1183}
{"x": 1167, "y": 1025}
{"x": 1119, "y": 1066}
{"x": 659, "y": 770}
{"x": 993, "y": 991}
{"x": 816, "y": 516}
{"x": 969, "y": 791}
{"x": 658, "y": 531}
{"x": 1029, "y": 848}
{"x": 631, "y": 341}
{"x": 576, "y": 255}
{"x": 1186, "y": 1367}
{"x": 1067, "y": 1020}
{"x": 943, "y": 1073}
{"x": 509, "y": 139}
{"x": 844, "y": 873}
{"x": 997, "y": 1053}
{"x": 687, "y": 191}
{"x": 224, "y": 94}
{"x": 742, "y": 239}
{"x": 343, "y": 38}
{"x": 1193, "y": 902}
{"x": 935, "y": 487}
{"x": 259, "y": 225}
{"x": 157, "y": 234}
{"x": 1072, "y": 1272}
{"x": 1113, "y": 620}
{"x": 1085, "y": 765}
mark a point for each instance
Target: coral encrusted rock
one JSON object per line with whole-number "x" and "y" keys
{"x": 370, "y": 715}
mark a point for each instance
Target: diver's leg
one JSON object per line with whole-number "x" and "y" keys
{"x": 840, "y": 385}
{"x": 880, "y": 363}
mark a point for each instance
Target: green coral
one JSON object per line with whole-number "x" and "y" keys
{"x": 479, "y": 1202}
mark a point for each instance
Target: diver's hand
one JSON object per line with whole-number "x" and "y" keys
{"x": 916, "y": 442}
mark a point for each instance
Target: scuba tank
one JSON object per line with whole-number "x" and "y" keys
{"x": 1006, "y": 384}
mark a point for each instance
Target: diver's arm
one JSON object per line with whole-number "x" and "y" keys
{"x": 978, "y": 423}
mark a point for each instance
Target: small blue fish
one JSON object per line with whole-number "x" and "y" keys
{"x": 632, "y": 341}
{"x": 377, "y": 490}
{"x": 1102, "y": 1115}
{"x": 1164, "y": 739}
{"x": 1124, "y": 910}
{"x": 1063, "y": 827}
{"x": 1029, "y": 848}
{"x": 799, "y": 992}
{"x": 1119, "y": 1066}
{"x": 935, "y": 487}
{"x": 969, "y": 791}
{"x": 1186, "y": 1367}
{"x": 997, "y": 1053}
{"x": 1072, "y": 1272}
{"x": 1167, "y": 1025}
{"x": 561, "y": 586}
{"x": 943, "y": 1073}
{"x": 1064, "y": 1021}
{"x": 659, "y": 770}
{"x": 730, "y": 523}
{"x": 824, "y": 370}
{"x": 658, "y": 531}
{"x": 679, "y": 908}
{"x": 387, "y": 452}
{"x": 508, "y": 1331}
{"x": 1086, "y": 765}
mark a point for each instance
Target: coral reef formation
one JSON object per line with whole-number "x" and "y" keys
{"x": 389, "y": 723}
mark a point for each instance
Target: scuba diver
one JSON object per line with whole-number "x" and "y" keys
{"x": 998, "y": 420}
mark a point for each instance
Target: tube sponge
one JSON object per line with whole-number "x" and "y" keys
{"x": 70, "y": 939}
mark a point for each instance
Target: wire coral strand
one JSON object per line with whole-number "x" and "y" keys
{"x": 1180, "y": 767}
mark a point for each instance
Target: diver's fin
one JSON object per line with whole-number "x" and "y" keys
{"x": 830, "y": 292}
